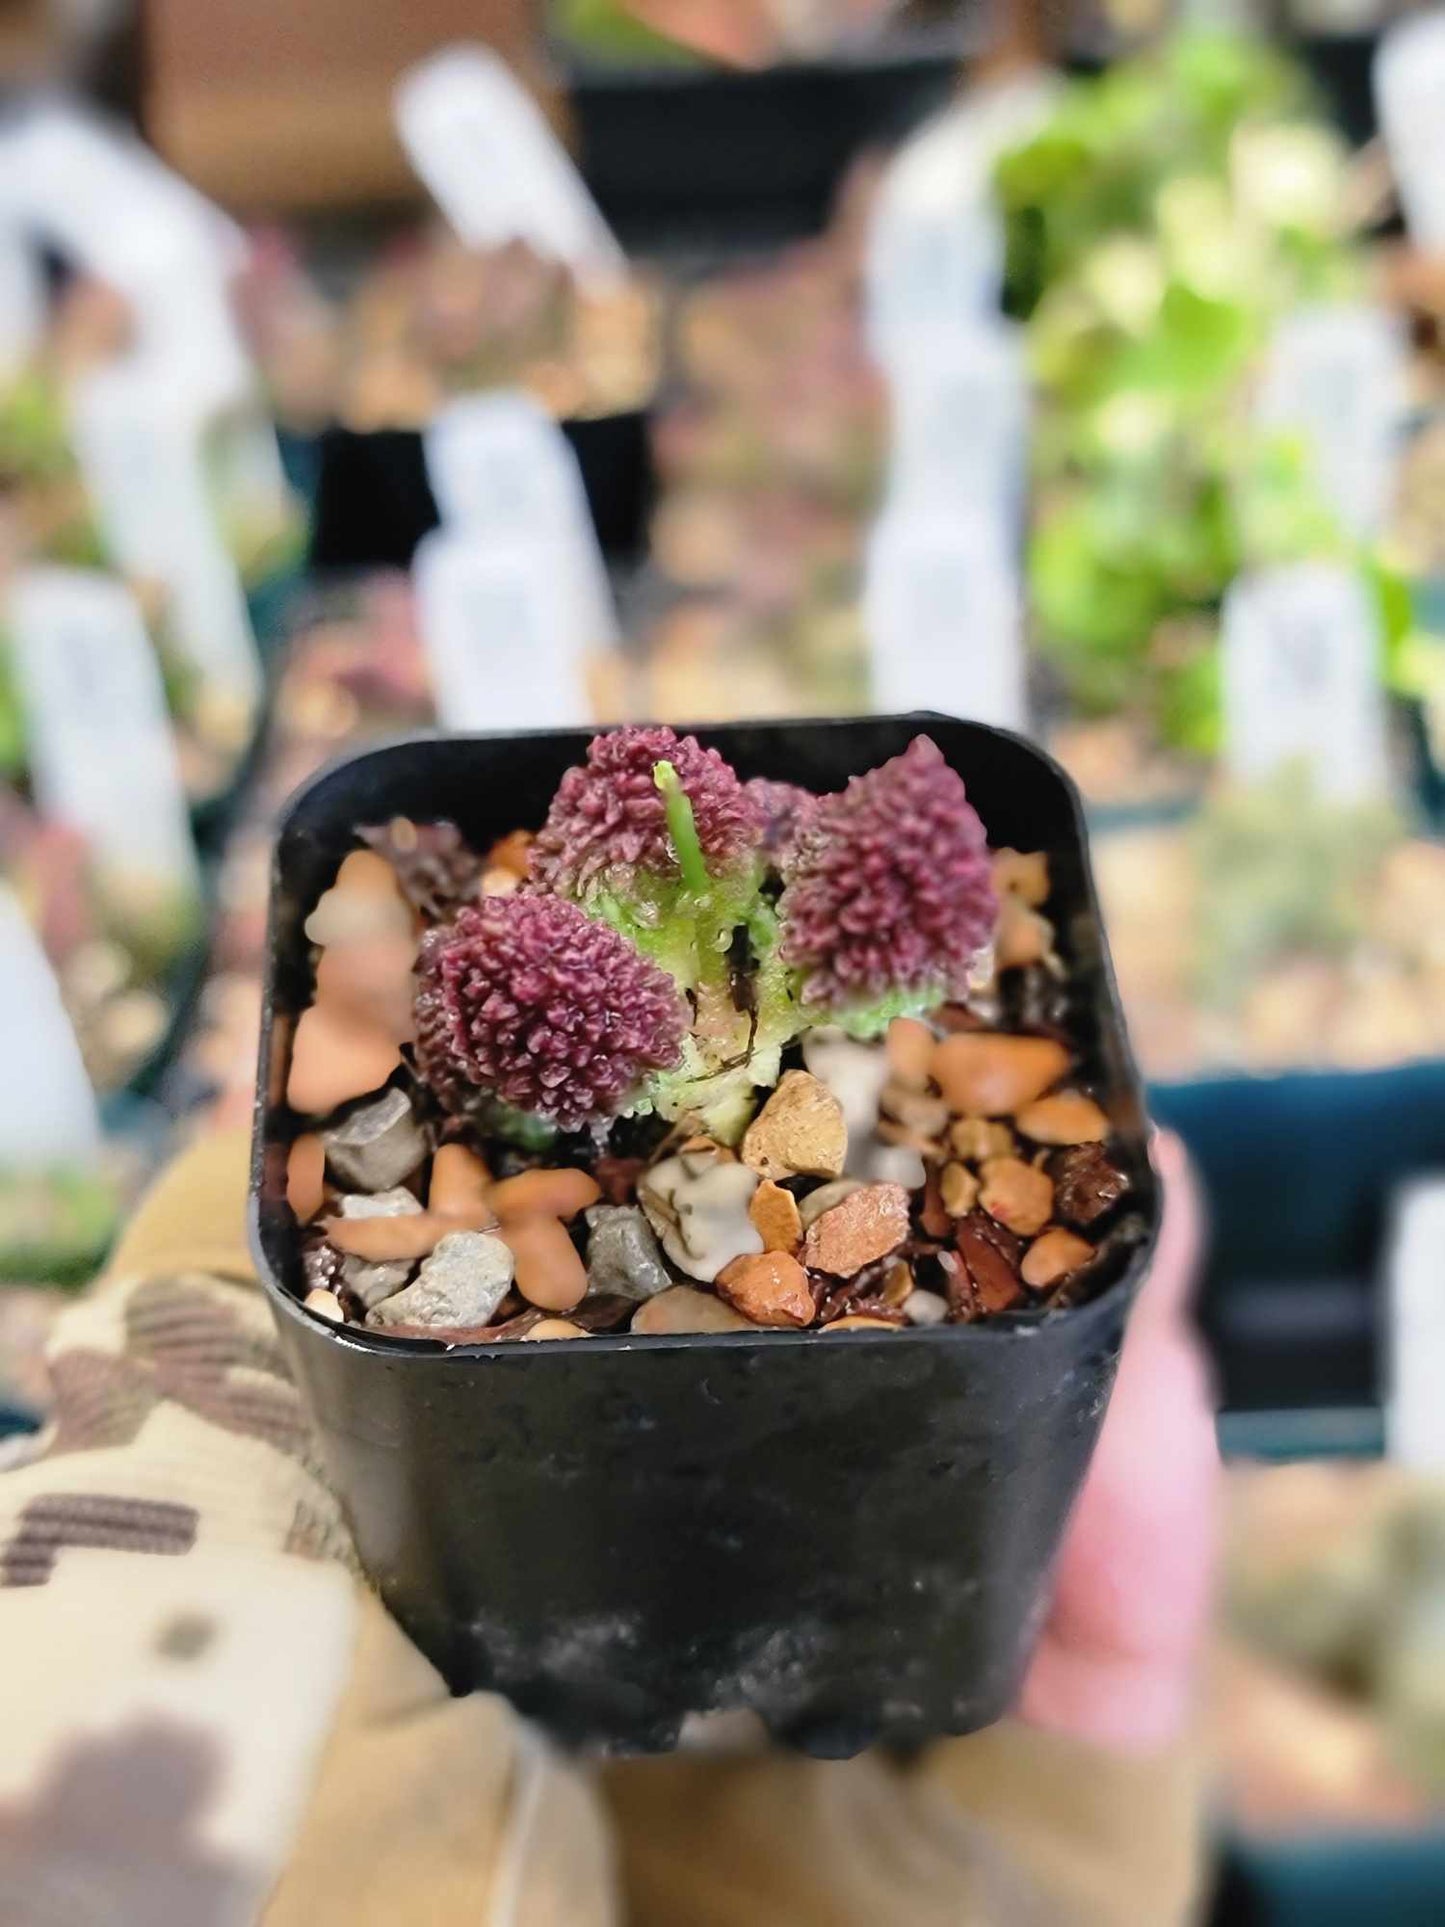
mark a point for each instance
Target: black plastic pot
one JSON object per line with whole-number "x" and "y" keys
{"x": 374, "y": 503}
{"x": 851, "y": 1535}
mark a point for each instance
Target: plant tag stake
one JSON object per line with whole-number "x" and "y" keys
{"x": 961, "y": 421}
{"x": 1301, "y": 663}
{"x": 935, "y": 252}
{"x": 1410, "y": 99}
{"x": 494, "y": 167}
{"x": 102, "y": 754}
{"x": 1337, "y": 377}
{"x": 943, "y": 611}
{"x": 1414, "y": 1409}
{"x": 104, "y": 200}
{"x": 48, "y": 1113}
{"x": 512, "y": 590}
{"x": 501, "y": 632}
{"x": 22, "y": 301}
{"x": 141, "y": 450}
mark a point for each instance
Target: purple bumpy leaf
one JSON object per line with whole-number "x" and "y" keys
{"x": 527, "y": 998}
{"x": 888, "y": 886}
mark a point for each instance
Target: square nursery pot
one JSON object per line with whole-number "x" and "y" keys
{"x": 851, "y": 1536}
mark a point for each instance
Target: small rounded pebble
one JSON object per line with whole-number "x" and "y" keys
{"x": 378, "y": 1146}
{"x": 550, "y": 1274}
{"x": 897, "y": 1285}
{"x": 365, "y": 900}
{"x": 925, "y": 1308}
{"x": 825, "y": 1197}
{"x": 701, "y": 1219}
{"x": 1023, "y": 874}
{"x": 306, "y": 1177}
{"x": 984, "y": 1073}
{"x": 924, "y": 1115}
{"x": 460, "y": 1183}
{"x": 1053, "y": 1256}
{"x": 910, "y": 1052}
{"x": 369, "y": 979}
{"x": 800, "y": 1131}
{"x": 546, "y": 1194}
{"x": 1087, "y": 1184}
{"x": 458, "y": 1288}
{"x": 1067, "y": 1118}
{"x": 335, "y": 1058}
{"x": 866, "y": 1226}
{"x": 553, "y": 1328}
{"x": 326, "y": 1305}
{"x": 388, "y": 1241}
{"x": 958, "y": 1190}
{"x": 775, "y": 1216}
{"x": 1019, "y": 1195}
{"x": 684, "y": 1310}
{"x": 769, "y": 1288}
{"x": 1023, "y": 936}
{"x": 976, "y": 1138}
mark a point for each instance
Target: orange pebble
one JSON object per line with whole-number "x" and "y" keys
{"x": 547, "y": 1194}
{"x": 334, "y": 1058}
{"x": 306, "y": 1177}
{"x": 460, "y": 1183}
{"x": 383, "y": 1241}
{"x": 550, "y": 1275}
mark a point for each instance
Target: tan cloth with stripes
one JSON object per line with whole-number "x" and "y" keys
{"x": 208, "y": 1720}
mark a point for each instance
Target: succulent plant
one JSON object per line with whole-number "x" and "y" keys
{"x": 529, "y": 1000}
{"x": 680, "y": 928}
{"x": 889, "y": 896}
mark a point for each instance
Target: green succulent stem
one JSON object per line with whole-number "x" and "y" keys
{"x": 682, "y": 828}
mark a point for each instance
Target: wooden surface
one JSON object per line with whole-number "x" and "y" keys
{"x": 275, "y": 105}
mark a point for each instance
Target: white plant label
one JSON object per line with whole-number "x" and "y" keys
{"x": 48, "y": 1112}
{"x": 102, "y": 755}
{"x": 494, "y": 167}
{"x": 944, "y": 615}
{"x": 501, "y": 469}
{"x": 935, "y": 248}
{"x": 1301, "y": 663}
{"x": 22, "y": 301}
{"x": 1337, "y": 377}
{"x": 502, "y": 633}
{"x": 104, "y": 200}
{"x": 1410, "y": 100}
{"x": 1414, "y": 1409}
{"x": 141, "y": 452}
{"x": 961, "y": 421}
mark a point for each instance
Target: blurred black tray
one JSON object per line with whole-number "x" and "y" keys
{"x": 701, "y": 158}
{"x": 373, "y": 501}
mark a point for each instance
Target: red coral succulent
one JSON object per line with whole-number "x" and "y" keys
{"x": 888, "y": 886}
{"x": 528, "y": 999}
{"x": 608, "y": 819}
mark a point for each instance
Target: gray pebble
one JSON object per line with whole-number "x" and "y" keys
{"x": 373, "y": 1282}
{"x": 378, "y": 1145}
{"x": 380, "y": 1204}
{"x": 623, "y": 1259}
{"x": 460, "y": 1284}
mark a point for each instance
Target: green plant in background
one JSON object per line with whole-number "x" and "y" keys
{"x": 1282, "y": 872}
{"x": 1159, "y": 226}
